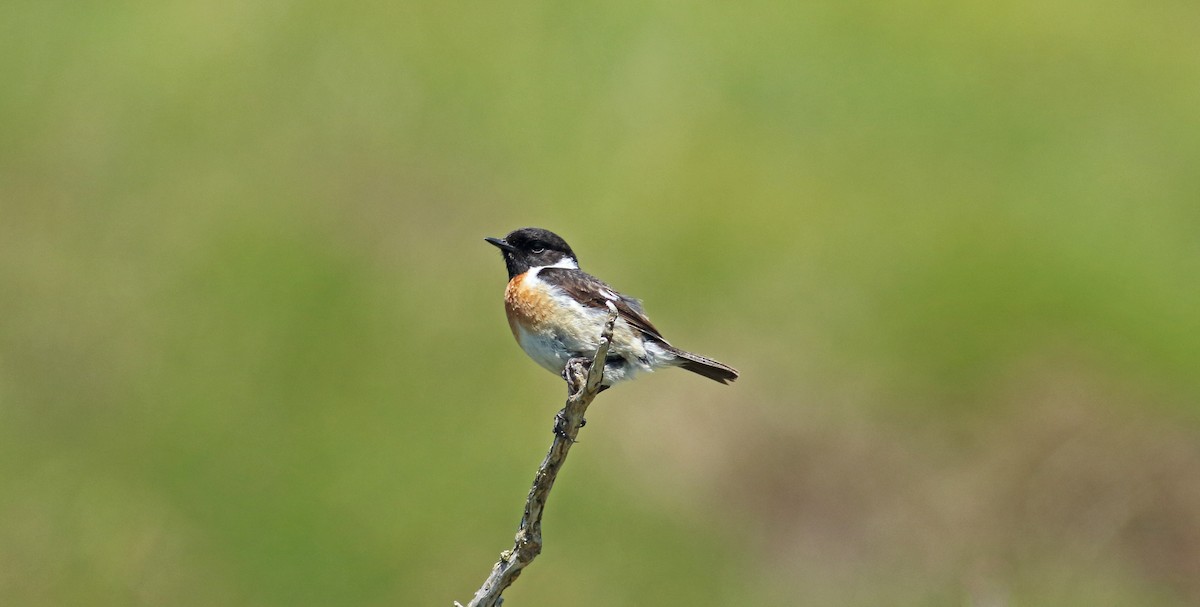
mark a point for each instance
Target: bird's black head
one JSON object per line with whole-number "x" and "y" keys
{"x": 532, "y": 247}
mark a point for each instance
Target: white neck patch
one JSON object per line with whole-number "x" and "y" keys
{"x": 565, "y": 263}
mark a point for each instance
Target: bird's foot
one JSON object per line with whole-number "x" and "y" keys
{"x": 584, "y": 362}
{"x": 575, "y": 373}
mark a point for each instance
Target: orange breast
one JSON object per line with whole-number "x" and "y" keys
{"x": 526, "y": 305}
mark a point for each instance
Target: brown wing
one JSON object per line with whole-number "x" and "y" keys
{"x": 594, "y": 293}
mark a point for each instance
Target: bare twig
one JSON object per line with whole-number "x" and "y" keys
{"x": 582, "y": 386}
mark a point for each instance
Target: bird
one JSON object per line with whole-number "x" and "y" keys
{"x": 556, "y": 312}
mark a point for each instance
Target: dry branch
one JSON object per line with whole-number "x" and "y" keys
{"x": 583, "y": 384}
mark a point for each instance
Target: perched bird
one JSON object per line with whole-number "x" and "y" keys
{"x": 557, "y": 311}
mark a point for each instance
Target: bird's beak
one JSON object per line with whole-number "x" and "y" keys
{"x": 501, "y": 243}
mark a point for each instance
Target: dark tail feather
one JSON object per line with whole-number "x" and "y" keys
{"x": 718, "y": 372}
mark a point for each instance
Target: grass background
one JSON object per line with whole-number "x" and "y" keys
{"x": 252, "y": 348}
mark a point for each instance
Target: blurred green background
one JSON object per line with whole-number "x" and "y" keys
{"x": 253, "y": 349}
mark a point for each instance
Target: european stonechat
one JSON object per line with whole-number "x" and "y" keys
{"x": 557, "y": 311}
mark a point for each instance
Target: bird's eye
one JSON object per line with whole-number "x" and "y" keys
{"x": 538, "y": 250}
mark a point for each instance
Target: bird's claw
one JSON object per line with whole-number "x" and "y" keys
{"x": 584, "y": 362}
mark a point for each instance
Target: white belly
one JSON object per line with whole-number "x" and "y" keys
{"x": 578, "y": 335}
{"x": 557, "y": 328}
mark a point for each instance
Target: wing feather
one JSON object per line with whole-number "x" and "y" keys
{"x": 594, "y": 293}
